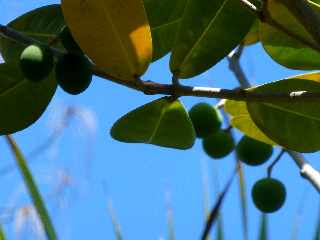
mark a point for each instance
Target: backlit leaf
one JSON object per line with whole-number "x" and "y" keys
{"x": 283, "y": 48}
{"x": 115, "y": 34}
{"x": 241, "y": 120}
{"x": 209, "y": 30}
{"x": 162, "y": 122}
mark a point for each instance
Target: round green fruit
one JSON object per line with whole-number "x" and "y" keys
{"x": 68, "y": 41}
{"x": 73, "y": 73}
{"x": 253, "y": 152}
{"x": 36, "y": 62}
{"x": 268, "y": 195}
{"x": 219, "y": 144}
{"x": 206, "y": 119}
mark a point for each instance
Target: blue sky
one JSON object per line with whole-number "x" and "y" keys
{"x": 85, "y": 168}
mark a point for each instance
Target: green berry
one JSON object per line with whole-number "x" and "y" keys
{"x": 268, "y": 195}
{"x": 206, "y": 119}
{"x": 68, "y": 41}
{"x": 36, "y": 62}
{"x": 253, "y": 152}
{"x": 219, "y": 144}
{"x": 73, "y": 73}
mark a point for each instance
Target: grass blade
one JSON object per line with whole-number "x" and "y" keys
{"x": 2, "y": 235}
{"x": 32, "y": 188}
{"x": 263, "y": 232}
{"x": 114, "y": 221}
{"x": 317, "y": 232}
{"x": 170, "y": 222}
{"x": 215, "y": 211}
{"x": 243, "y": 198}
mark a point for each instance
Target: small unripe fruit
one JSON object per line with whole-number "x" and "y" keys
{"x": 268, "y": 195}
{"x": 219, "y": 144}
{"x": 73, "y": 73}
{"x": 36, "y": 62}
{"x": 253, "y": 152}
{"x": 206, "y": 119}
{"x": 68, "y": 41}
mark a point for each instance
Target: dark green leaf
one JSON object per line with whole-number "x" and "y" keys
{"x": 287, "y": 123}
{"x": 42, "y": 24}
{"x": 209, "y": 30}
{"x": 162, "y": 122}
{"x": 164, "y": 18}
{"x": 21, "y": 101}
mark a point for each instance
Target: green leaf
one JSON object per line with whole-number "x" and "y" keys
{"x": 209, "y": 30}
{"x": 164, "y": 18}
{"x": 284, "y": 49}
{"x": 33, "y": 190}
{"x": 163, "y": 122}
{"x": 21, "y": 101}
{"x": 241, "y": 120}
{"x": 263, "y": 232}
{"x": 293, "y": 125}
{"x": 42, "y": 24}
{"x": 252, "y": 36}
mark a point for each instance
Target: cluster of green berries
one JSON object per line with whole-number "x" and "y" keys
{"x": 268, "y": 194}
{"x": 72, "y": 70}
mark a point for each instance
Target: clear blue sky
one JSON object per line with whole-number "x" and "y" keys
{"x": 136, "y": 177}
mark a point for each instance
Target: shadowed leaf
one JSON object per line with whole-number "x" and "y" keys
{"x": 164, "y": 18}
{"x": 21, "y": 100}
{"x": 203, "y": 39}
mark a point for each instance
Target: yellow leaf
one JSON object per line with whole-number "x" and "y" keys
{"x": 241, "y": 120}
{"x": 114, "y": 34}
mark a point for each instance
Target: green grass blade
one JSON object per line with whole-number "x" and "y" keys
{"x": 317, "y": 232}
{"x": 243, "y": 200}
{"x": 2, "y": 235}
{"x": 114, "y": 221}
{"x": 220, "y": 231}
{"x": 263, "y": 232}
{"x": 170, "y": 221}
{"x": 216, "y": 209}
{"x": 32, "y": 188}
{"x": 220, "y": 235}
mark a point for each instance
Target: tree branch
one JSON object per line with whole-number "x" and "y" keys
{"x": 153, "y": 88}
{"x": 306, "y": 170}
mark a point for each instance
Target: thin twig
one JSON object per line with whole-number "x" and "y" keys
{"x": 306, "y": 170}
{"x": 275, "y": 161}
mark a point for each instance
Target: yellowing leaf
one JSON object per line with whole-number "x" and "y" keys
{"x": 115, "y": 34}
{"x": 241, "y": 120}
